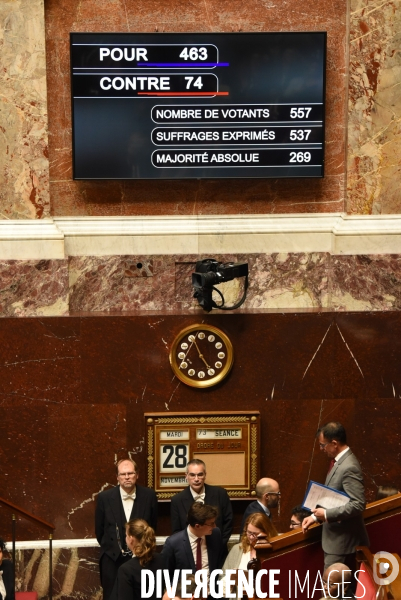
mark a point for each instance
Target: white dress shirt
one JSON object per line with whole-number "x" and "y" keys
{"x": 198, "y": 497}
{"x": 193, "y": 540}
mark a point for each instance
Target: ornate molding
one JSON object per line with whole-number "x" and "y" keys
{"x": 336, "y": 233}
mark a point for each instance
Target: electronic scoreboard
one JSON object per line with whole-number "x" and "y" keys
{"x": 204, "y": 105}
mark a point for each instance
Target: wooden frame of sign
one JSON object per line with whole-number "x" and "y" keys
{"x": 228, "y": 443}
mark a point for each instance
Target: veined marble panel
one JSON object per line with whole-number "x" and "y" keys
{"x": 365, "y": 283}
{"x": 24, "y": 168}
{"x": 33, "y": 288}
{"x": 75, "y": 571}
{"x": 374, "y": 131}
{"x": 288, "y": 281}
{"x": 145, "y": 263}
{"x": 293, "y": 281}
{"x": 75, "y": 567}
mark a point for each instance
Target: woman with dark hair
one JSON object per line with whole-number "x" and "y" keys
{"x": 6, "y": 575}
{"x": 141, "y": 540}
{"x": 257, "y": 527}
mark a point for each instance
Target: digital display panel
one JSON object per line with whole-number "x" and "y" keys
{"x": 191, "y": 106}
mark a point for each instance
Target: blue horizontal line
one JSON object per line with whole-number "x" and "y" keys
{"x": 184, "y": 64}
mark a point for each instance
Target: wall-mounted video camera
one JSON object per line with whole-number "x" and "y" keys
{"x": 210, "y": 272}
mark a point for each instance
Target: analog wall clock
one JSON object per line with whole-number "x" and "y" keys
{"x": 201, "y": 355}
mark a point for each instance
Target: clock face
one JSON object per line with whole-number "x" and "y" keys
{"x": 201, "y": 355}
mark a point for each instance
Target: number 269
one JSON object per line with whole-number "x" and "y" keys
{"x": 300, "y": 157}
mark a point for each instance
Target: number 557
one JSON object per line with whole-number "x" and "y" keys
{"x": 300, "y": 112}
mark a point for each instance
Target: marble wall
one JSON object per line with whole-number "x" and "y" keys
{"x": 75, "y": 572}
{"x": 74, "y": 391}
{"x": 24, "y": 166}
{"x": 193, "y": 197}
{"x": 371, "y": 163}
{"x": 374, "y": 142}
{"x": 285, "y": 281}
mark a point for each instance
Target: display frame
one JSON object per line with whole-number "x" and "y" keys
{"x": 212, "y": 435}
{"x": 260, "y": 159}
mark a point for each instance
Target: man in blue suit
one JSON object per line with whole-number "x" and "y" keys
{"x": 199, "y": 546}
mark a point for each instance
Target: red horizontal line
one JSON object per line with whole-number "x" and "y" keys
{"x": 183, "y": 93}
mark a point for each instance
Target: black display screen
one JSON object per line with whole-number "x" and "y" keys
{"x": 198, "y": 105}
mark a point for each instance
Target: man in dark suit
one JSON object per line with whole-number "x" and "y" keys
{"x": 114, "y": 508}
{"x": 343, "y": 526}
{"x": 267, "y": 494}
{"x": 198, "y": 546}
{"x": 6, "y": 575}
{"x": 199, "y": 491}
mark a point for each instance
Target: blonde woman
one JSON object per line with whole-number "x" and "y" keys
{"x": 257, "y": 526}
{"x": 141, "y": 540}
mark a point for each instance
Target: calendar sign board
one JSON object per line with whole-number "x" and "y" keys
{"x": 227, "y": 442}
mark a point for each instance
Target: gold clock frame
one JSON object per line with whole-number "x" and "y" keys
{"x": 202, "y": 383}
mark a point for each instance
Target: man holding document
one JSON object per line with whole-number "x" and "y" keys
{"x": 343, "y": 525}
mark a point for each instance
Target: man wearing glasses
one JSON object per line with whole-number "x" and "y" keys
{"x": 298, "y": 514}
{"x": 343, "y": 526}
{"x": 199, "y": 491}
{"x": 268, "y": 495}
{"x": 114, "y": 508}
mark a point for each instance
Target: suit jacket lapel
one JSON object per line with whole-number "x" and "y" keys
{"x": 330, "y": 475}
{"x": 336, "y": 466}
{"x": 187, "y": 499}
{"x": 118, "y": 513}
{"x": 208, "y": 494}
{"x": 187, "y": 549}
{"x": 210, "y": 552}
{"x": 137, "y": 503}
{"x": 115, "y": 503}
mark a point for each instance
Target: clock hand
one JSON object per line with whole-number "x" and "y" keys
{"x": 201, "y": 355}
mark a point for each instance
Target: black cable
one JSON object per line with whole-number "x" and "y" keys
{"x": 221, "y": 296}
{"x": 241, "y": 301}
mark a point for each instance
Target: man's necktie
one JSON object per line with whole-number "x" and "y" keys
{"x": 200, "y": 498}
{"x": 331, "y": 465}
{"x": 198, "y": 554}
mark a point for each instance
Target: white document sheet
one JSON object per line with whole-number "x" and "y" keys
{"x": 321, "y": 495}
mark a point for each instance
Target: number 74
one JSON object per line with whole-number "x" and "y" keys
{"x": 197, "y": 83}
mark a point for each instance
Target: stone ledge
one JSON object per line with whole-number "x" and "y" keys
{"x": 31, "y": 240}
{"x": 336, "y": 233}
